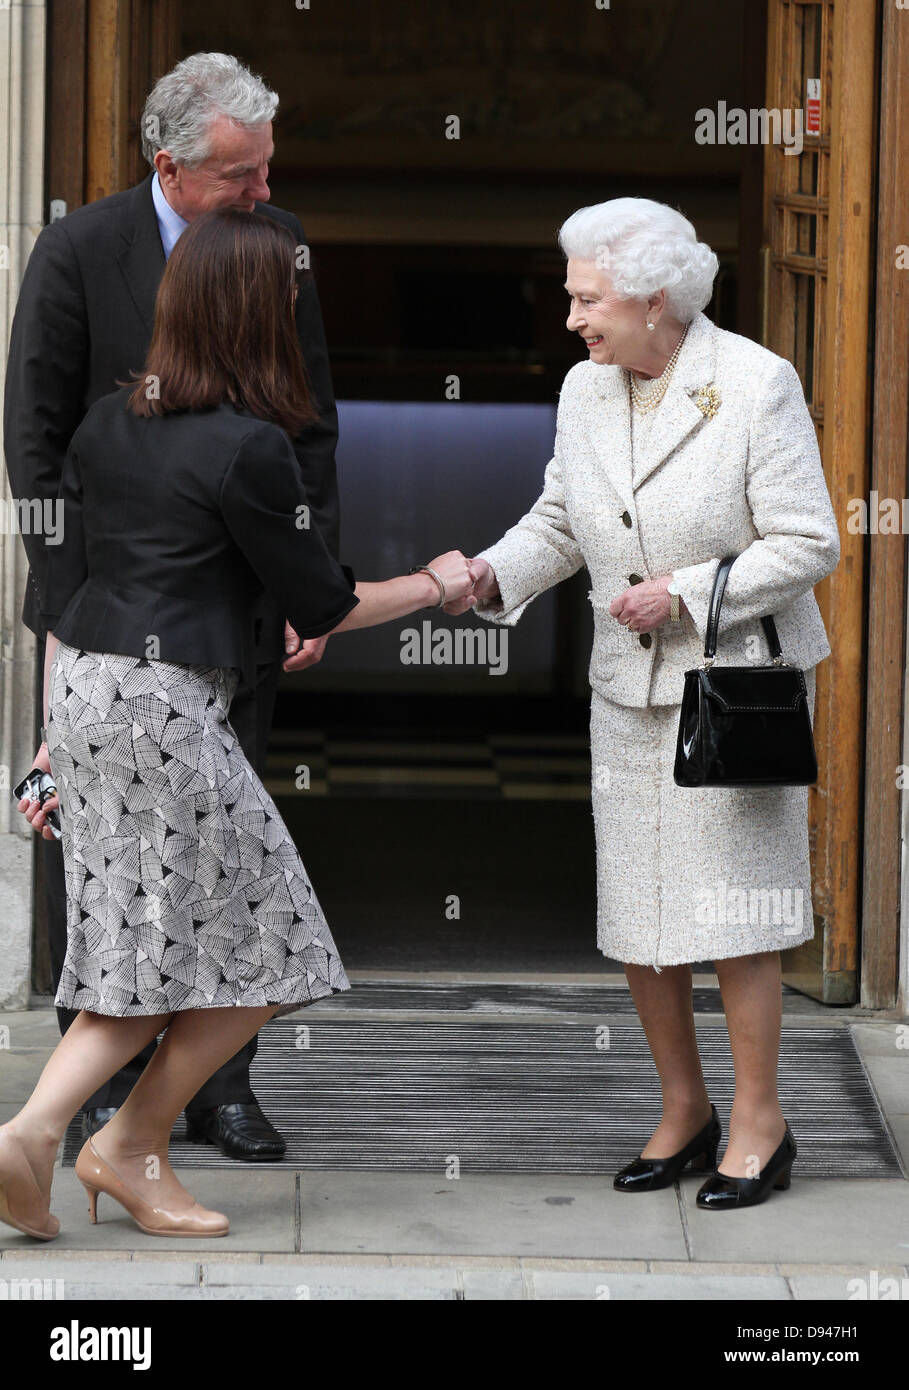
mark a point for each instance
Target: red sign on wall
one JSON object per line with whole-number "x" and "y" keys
{"x": 813, "y": 107}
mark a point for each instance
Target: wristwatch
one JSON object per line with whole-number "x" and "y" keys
{"x": 673, "y": 591}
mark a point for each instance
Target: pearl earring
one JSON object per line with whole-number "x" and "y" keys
{"x": 650, "y": 326}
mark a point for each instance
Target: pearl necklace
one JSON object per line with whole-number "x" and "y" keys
{"x": 646, "y": 399}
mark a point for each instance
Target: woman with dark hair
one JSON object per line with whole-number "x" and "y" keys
{"x": 190, "y": 910}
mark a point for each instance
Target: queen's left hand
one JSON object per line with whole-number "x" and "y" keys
{"x": 644, "y": 606}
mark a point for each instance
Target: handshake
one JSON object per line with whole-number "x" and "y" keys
{"x": 460, "y": 582}
{"x": 467, "y": 582}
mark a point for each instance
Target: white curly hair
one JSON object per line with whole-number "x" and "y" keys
{"x": 182, "y": 104}
{"x": 644, "y": 247}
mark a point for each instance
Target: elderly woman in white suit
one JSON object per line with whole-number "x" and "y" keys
{"x": 678, "y": 443}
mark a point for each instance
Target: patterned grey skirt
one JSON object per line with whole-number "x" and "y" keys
{"x": 184, "y": 887}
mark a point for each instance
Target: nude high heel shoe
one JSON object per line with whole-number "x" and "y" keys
{"x": 21, "y": 1203}
{"x": 96, "y": 1176}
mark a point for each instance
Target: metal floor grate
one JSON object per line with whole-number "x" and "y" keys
{"x": 512, "y": 1097}
{"x": 506, "y": 997}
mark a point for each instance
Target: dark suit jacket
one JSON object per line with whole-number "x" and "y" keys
{"x": 172, "y": 528}
{"x": 83, "y": 320}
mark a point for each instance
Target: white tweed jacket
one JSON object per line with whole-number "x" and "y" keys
{"x": 733, "y": 470}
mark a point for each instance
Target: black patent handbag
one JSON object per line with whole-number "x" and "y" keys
{"x": 744, "y": 726}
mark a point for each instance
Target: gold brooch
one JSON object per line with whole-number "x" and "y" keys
{"x": 707, "y": 401}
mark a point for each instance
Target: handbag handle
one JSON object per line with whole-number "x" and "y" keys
{"x": 713, "y": 617}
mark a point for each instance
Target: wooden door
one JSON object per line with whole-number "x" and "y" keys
{"x": 103, "y": 58}
{"x": 817, "y": 264}
{"x": 887, "y": 733}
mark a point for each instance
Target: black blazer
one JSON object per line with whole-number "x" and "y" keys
{"x": 84, "y": 320}
{"x": 172, "y": 528}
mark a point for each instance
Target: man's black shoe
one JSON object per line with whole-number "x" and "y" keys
{"x": 93, "y": 1120}
{"x": 239, "y": 1131}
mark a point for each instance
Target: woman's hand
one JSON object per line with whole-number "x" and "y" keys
{"x": 301, "y": 654}
{"x": 391, "y": 599}
{"x": 642, "y": 607}
{"x": 485, "y": 586}
{"x": 457, "y": 574}
{"x": 34, "y": 812}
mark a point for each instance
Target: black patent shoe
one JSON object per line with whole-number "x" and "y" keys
{"x": 93, "y": 1120}
{"x": 239, "y": 1131}
{"x": 648, "y": 1174}
{"x": 721, "y": 1192}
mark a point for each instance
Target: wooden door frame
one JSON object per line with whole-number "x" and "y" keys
{"x": 749, "y": 308}
{"x": 103, "y": 58}
{"x": 839, "y": 264}
{"x": 847, "y": 429}
{"x": 887, "y": 575}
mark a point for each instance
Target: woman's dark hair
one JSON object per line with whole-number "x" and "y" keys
{"x": 224, "y": 324}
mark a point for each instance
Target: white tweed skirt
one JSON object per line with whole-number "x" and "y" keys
{"x": 690, "y": 874}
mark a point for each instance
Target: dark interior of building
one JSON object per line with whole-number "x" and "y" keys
{"x": 409, "y": 785}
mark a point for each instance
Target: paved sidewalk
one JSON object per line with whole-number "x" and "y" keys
{"x": 366, "y": 1234}
{"x": 72, "y": 1275}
